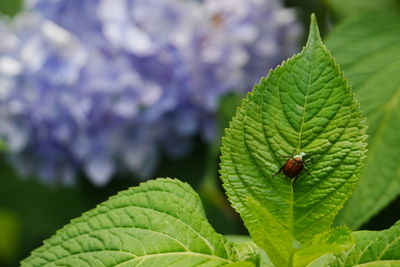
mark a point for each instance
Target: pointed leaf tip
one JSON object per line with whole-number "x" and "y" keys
{"x": 314, "y": 35}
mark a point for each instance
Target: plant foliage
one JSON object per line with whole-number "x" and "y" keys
{"x": 372, "y": 248}
{"x": 305, "y": 105}
{"x": 159, "y": 223}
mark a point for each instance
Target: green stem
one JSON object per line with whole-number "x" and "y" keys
{"x": 209, "y": 189}
{"x": 291, "y": 257}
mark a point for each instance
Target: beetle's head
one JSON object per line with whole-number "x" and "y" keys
{"x": 301, "y": 156}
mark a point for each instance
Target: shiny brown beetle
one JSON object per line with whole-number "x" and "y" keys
{"x": 293, "y": 166}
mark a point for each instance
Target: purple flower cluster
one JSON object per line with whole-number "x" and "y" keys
{"x": 101, "y": 85}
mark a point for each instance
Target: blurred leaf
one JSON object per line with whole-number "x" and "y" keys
{"x": 158, "y": 223}
{"x": 345, "y": 9}
{"x": 10, "y": 7}
{"x": 373, "y": 248}
{"x": 368, "y": 49}
{"x": 303, "y": 105}
{"x": 10, "y": 231}
{"x": 219, "y": 211}
{"x": 3, "y": 146}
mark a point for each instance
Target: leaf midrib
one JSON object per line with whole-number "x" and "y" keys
{"x": 189, "y": 253}
{"x": 305, "y": 106}
{"x": 167, "y": 254}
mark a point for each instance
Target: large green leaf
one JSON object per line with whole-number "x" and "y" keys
{"x": 368, "y": 49}
{"x": 372, "y": 248}
{"x": 159, "y": 223}
{"x": 303, "y": 105}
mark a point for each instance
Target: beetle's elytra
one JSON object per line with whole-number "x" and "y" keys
{"x": 293, "y": 166}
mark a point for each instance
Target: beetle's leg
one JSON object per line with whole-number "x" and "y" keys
{"x": 305, "y": 168}
{"x": 278, "y": 171}
{"x": 294, "y": 182}
{"x": 307, "y": 160}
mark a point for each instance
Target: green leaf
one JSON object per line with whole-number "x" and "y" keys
{"x": 344, "y": 8}
{"x": 303, "y": 105}
{"x": 373, "y": 248}
{"x": 3, "y": 146}
{"x": 264, "y": 260}
{"x": 332, "y": 241}
{"x": 321, "y": 261}
{"x": 159, "y": 223}
{"x": 368, "y": 50}
{"x": 380, "y": 264}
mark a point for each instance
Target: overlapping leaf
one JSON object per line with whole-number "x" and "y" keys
{"x": 159, "y": 223}
{"x": 303, "y": 105}
{"x": 264, "y": 260}
{"x": 368, "y": 49}
{"x": 372, "y": 248}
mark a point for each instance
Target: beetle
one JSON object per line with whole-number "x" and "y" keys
{"x": 294, "y": 165}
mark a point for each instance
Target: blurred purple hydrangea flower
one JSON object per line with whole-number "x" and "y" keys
{"x": 104, "y": 84}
